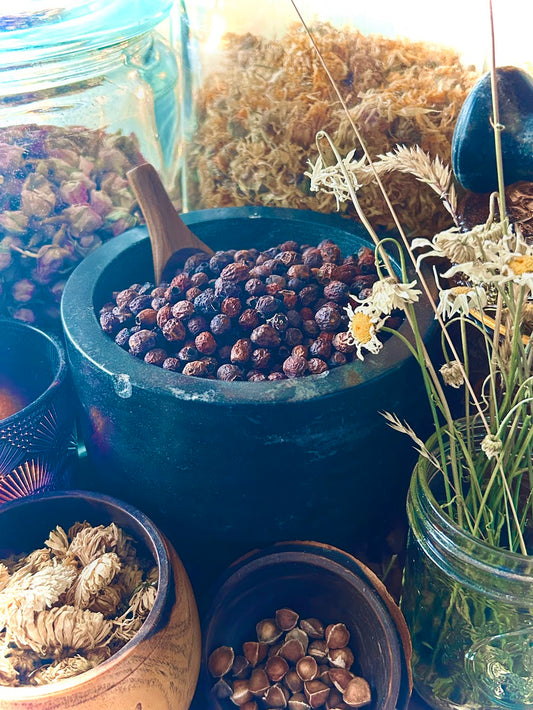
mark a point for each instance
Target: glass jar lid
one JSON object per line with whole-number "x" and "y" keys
{"x": 43, "y": 29}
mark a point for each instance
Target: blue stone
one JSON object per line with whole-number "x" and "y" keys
{"x": 473, "y": 153}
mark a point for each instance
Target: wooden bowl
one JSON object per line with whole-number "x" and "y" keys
{"x": 158, "y": 668}
{"x": 320, "y": 581}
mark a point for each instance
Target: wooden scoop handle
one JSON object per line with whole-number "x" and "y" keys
{"x": 169, "y": 235}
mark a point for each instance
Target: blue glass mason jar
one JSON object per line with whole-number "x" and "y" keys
{"x": 87, "y": 91}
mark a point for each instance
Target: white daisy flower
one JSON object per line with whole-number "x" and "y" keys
{"x": 460, "y": 300}
{"x": 388, "y": 294}
{"x": 362, "y": 329}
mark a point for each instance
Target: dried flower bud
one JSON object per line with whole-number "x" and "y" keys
{"x": 337, "y": 636}
{"x": 357, "y": 693}
{"x": 316, "y": 693}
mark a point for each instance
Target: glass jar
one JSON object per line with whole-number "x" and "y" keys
{"x": 86, "y": 92}
{"x": 469, "y": 609}
{"x": 257, "y": 95}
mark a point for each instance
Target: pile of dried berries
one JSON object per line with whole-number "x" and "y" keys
{"x": 260, "y": 110}
{"x": 295, "y": 663}
{"x": 63, "y": 191}
{"x": 246, "y": 315}
{"x": 67, "y": 607}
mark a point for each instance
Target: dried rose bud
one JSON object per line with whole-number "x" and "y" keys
{"x": 82, "y": 219}
{"x": 13, "y": 222}
{"x": 37, "y": 197}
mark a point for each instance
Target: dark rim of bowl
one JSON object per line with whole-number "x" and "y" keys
{"x": 153, "y": 540}
{"x": 84, "y": 334}
{"x": 61, "y": 369}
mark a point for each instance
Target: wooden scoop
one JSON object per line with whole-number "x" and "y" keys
{"x": 172, "y": 241}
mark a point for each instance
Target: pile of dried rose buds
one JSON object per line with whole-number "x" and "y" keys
{"x": 63, "y": 191}
{"x": 294, "y": 663}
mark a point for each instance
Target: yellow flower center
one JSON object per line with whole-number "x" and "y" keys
{"x": 361, "y": 326}
{"x": 458, "y": 290}
{"x": 521, "y": 264}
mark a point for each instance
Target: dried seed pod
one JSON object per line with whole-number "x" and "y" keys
{"x": 222, "y": 689}
{"x": 241, "y": 692}
{"x": 298, "y": 702}
{"x": 259, "y": 682}
{"x": 335, "y": 701}
{"x": 318, "y": 649}
{"x": 337, "y": 636}
{"x": 286, "y": 619}
{"x": 340, "y": 677}
{"x": 276, "y": 667}
{"x": 220, "y": 661}
{"x": 274, "y": 649}
{"x": 316, "y": 693}
{"x": 323, "y": 674}
{"x": 293, "y": 682}
{"x": 292, "y": 650}
{"x": 267, "y": 631}
{"x": 307, "y": 668}
{"x": 276, "y": 696}
{"x": 250, "y": 705}
{"x": 341, "y": 657}
{"x": 357, "y": 693}
{"x": 300, "y": 636}
{"x": 254, "y": 652}
{"x": 241, "y": 667}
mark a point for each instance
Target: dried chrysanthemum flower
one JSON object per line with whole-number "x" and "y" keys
{"x": 58, "y": 541}
{"x": 92, "y": 578}
{"x": 453, "y": 373}
{"x": 89, "y": 543}
{"x": 4, "y": 575}
{"x": 8, "y": 673}
{"x": 35, "y": 591}
{"x": 65, "y": 668}
{"x": 53, "y": 631}
{"x": 107, "y": 600}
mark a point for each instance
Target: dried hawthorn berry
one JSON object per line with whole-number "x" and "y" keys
{"x": 268, "y": 305}
{"x": 276, "y": 376}
{"x": 146, "y": 318}
{"x": 237, "y": 271}
{"x": 124, "y": 297}
{"x": 294, "y": 318}
{"x": 247, "y": 256}
{"x": 224, "y": 353}
{"x": 123, "y": 314}
{"x": 312, "y": 258}
{"x": 273, "y": 288}
{"x": 255, "y": 376}
{"x": 207, "y": 302}
{"x": 260, "y": 358}
{"x": 231, "y": 307}
{"x": 172, "y": 294}
{"x": 196, "y": 368}
{"x": 249, "y": 319}
{"x": 156, "y": 356}
{"x": 199, "y": 279}
{"x": 229, "y": 373}
{"x": 192, "y": 293}
{"x": 188, "y": 353}
{"x": 265, "y": 336}
{"x": 328, "y": 318}
{"x": 139, "y": 303}
{"x": 317, "y": 366}
{"x": 295, "y": 366}
{"x": 172, "y": 364}
{"x": 337, "y": 291}
{"x": 158, "y": 302}
{"x": 182, "y": 310}
{"x": 163, "y": 315}
{"x": 241, "y": 351}
{"x": 211, "y": 364}
{"x": 205, "y": 343}
{"x": 299, "y": 271}
{"x": 139, "y": 343}
{"x": 158, "y": 292}
{"x": 219, "y": 260}
{"x": 331, "y": 253}
{"x": 300, "y": 351}
{"x": 227, "y": 289}
{"x": 309, "y": 294}
{"x": 196, "y": 325}
{"x": 343, "y": 343}
{"x": 292, "y": 337}
{"x": 194, "y": 260}
{"x": 173, "y": 330}
{"x": 220, "y": 324}
{"x": 122, "y": 337}
{"x": 310, "y": 328}
{"x": 337, "y": 358}
{"x": 279, "y": 321}
{"x": 181, "y": 281}
{"x": 255, "y": 287}
{"x": 296, "y": 285}
{"x": 346, "y": 273}
{"x": 287, "y": 257}
{"x": 320, "y": 348}
{"x": 110, "y": 323}
{"x": 290, "y": 298}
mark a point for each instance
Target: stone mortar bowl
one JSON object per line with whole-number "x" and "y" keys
{"x": 158, "y": 668}
{"x": 230, "y": 465}
{"x": 319, "y": 581}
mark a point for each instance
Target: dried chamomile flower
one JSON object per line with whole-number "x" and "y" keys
{"x": 65, "y": 668}
{"x": 92, "y": 578}
{"x": 51, "y": 631}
